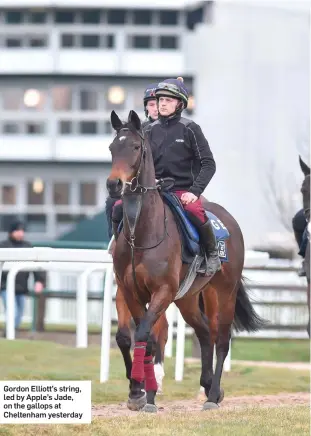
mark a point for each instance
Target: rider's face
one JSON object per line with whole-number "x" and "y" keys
{"x": 167, "y": 106}
{"x": 152, "y": 109}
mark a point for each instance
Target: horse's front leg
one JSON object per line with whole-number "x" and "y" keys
{"x": 144, "y": 350}
{"x": 123, "y": 336}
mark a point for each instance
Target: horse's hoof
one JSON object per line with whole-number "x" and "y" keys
{"x": 136, "y": 404}
{"x": 221, "y": 396}
{"x": 209, "y": 406}
{"x": 150, "y": 408}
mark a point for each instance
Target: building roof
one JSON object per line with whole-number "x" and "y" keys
{"x": 115, "y": 4}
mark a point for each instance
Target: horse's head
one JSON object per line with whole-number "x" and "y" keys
{"x": 127, "y": 151}
{"x": 305, "y": 188}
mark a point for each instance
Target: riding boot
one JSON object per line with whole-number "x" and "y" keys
{"x": 208, "y": 239}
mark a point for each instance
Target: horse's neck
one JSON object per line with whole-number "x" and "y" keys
{"x": 147, "y": 207}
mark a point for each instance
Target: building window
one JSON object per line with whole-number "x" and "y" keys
{"x": 33, "y": 128}
{"x": 37, "y": 41}
{"x": 62, "y": 98}
{"x": 64, "y": 16}
{"x": 6, "y": 220}
{"x": 36, "y": 223}
{"x": 168, "y": 18}
{"x": 88, "y": 194}
{"x": 168, "y": 42}
{"x": 12, "y": 99}
{"x": 90, "y": 41}
{"x": 14, "y": 17}
{"x": 61, "y": 193}
{"x": 116, "y": 97}
{"x": 141, "y": 41}
{"x": 65, "y": 127}
{"x": 8, "y": 194}
{"x": 11, "y": 128}
{"x": 88, "y": 127}
{"x": 13, "y": 42}
{"x": 35, "y": 192}
{"x": 66, "y": 222}
{"x": 142, "y": 17}
{"x": 108, "y": 130}
{"x": 37, "y": 17}
{"x": 34, "y": 99}
{"x": 88, "y": 100}
{"x": 109, "y": 41}
{"x": 90, "y": 16}
{"x": 116, "y": 16}
{"x": 67, "y": 40}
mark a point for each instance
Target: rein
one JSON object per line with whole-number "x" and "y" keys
{"x": 132, "y": 205}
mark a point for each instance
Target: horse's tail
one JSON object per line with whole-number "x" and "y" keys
{"x": 245, "y": 317}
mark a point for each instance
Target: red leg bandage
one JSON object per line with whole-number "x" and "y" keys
{"x": 138, "y": 372}
{"x": 150, "y": 382}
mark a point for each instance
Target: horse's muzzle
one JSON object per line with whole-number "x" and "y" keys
{"x": 114, "y": 186}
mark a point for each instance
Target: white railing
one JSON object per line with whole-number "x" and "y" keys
{"x": 86, "y": 262}
{"x": 89, "y": 261}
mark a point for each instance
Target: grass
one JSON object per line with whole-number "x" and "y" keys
{"x": 282, "y": 421}
{"x": 35, "y": 360}
{"x": 272, "y": 350}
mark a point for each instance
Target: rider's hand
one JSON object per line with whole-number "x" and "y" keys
{"x": 188, "y": 197}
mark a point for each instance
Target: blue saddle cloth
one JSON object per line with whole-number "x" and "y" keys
{"x": 189, "y": 233}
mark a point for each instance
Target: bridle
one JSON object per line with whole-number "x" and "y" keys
{"x": 132, "y": 205}
{"x": 134, "y": 185}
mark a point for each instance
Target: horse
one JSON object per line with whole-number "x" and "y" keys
{"x": 149, "y": 269}
{"x": 305, "y": 191}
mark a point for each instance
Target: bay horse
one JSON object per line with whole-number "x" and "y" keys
{"x": 305, "y": 190}
{"x": 149, "y": 269}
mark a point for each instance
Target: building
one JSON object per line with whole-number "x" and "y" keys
{"x": 62, "y": 70}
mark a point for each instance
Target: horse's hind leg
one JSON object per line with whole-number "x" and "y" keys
{"x": 123, "y": 336}
{"x": 226, "y": 298}
{"x": 209, "y": 298}
{"x": 195, "y": 317}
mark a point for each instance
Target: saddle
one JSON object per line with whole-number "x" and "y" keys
{"x": 189, "y": 234}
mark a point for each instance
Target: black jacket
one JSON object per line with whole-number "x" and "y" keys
{"x": 21, "y": 285}
{"x": 180, "y": 150}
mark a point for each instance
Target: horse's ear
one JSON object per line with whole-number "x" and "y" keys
{"x": 115, "y": 121}
{"x": 304, "y": 167}
{"x": 134, "y": 120}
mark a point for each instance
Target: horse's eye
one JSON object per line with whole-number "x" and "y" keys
{"x": 137, "y": 147}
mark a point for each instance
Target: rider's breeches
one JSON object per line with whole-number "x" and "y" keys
{"x": 195, "y": 210}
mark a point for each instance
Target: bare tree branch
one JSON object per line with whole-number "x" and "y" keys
{"x": 281, "y": 195}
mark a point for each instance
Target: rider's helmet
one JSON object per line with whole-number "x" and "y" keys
{"x": 149, "y": 94}
{"x": 173, "y": 88}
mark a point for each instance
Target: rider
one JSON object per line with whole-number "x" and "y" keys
{"x": 181, "y": 151}
{"x": 151, "y": 112}
{"x": 299, "y": 225}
